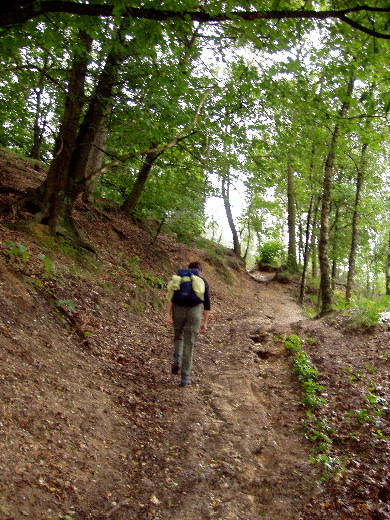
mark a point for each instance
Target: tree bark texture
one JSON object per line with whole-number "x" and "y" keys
{"x": 306, "y": 252}
{"x": 94, "y": 165}
{"x": 334, "y": 257}
{"x": 131, "y": 201}
{"x": 388, "y": 269}
{"x": 93, "y": 120}
{"x": 228, "y": 210}
{"x": 54, "y": 189}
{"x": 291, "y": 217}
{"x": 314, "y": 240}
{"x": 67, "y": 173}
{"x": 323, "y": 253}
{"x": 355, "y": 225}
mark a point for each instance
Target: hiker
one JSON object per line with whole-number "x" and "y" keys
{"x": 188, "y": 293}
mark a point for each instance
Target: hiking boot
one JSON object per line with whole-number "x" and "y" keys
{"x": 185, "y": 381}
{"x": 176, "y": 364}
{"x": 175, "y": 368}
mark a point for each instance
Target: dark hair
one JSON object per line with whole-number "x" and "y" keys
{"x": 195, "y": 265}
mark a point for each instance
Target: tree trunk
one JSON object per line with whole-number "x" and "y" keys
{"x": 291, "y": 218}
{"x": 131, "y": 201}
{"x": 388, "y": 269}
{"x": 38, "y": 130}
{"x": 53, "y": 190}
{"x": 314, "y": 241}
{"x": 355, "y": 225}
{"x": 93, "y": 121}
{"x": 228, "y": 210}
{"x": 249, "y": 238}
{"x": 334, "y": 274}
{"x": 306, "y": 252}
{"x": 94, "y": 164}
{"x": 325, "y": 284}
{"x": 66, "y": 178}
{"x": 334, "y": 255}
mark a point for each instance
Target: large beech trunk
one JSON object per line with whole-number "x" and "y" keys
{"x": 54, "y": 189}
{"x": 67, "y": 178}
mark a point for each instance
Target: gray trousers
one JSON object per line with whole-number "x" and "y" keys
{"x": 186, "y": 325}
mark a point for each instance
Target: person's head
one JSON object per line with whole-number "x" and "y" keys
{"x": 195, "y": 265}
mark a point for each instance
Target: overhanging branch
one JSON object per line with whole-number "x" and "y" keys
{"x": 20, "y": 13}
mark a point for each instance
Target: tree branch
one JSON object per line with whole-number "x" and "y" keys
{"x": 17, "y": 13}
{"x": 171, "y": 144}
{"x": 181, "y": 136}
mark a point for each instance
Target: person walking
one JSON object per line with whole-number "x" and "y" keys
{"x": 188, "y": 311}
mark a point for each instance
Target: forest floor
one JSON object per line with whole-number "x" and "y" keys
{"x": 93, "y": 425}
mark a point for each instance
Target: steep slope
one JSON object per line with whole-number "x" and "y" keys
{"x": 94, "y": 426}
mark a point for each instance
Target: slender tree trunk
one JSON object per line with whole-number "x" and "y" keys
{"x": 291, "y": 218}
{"x": 325, "y": 284}
{"x": 335, "y": 234}
{"x": 309, "y": 244}
{"x": 228, "y": 210}
{"x": 355, "y": 225}
{"x": 367, "y": 293}
{"x": 150, "y": 157}
{"x": 159, "y": 228}
{"x": 334, "y": 274}
{"x": 375, "y": 265}
{"x": 314, "y": 241}
{"x": 248, "y": 223}
{"x": 38, "y": 128}
{"x": 131, "y": 201}
{"x": 388, "y": 269}
{"x": 306, "y": 252}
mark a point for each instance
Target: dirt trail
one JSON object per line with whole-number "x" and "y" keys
{"x": 93, "y": 426}
{"x": 242, "y": 457}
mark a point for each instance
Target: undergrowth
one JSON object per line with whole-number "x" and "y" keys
{"x": 317, "y": 429}
{"x": 369, "y": 419}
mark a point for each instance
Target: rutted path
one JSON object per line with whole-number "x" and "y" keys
{"x": 94, "y": 426}
{"x": 242, "y": 454}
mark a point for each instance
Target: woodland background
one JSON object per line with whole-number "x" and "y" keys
{"x": 158, "y": 106}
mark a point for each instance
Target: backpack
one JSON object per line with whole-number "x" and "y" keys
{"x": 186, "y": 288}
